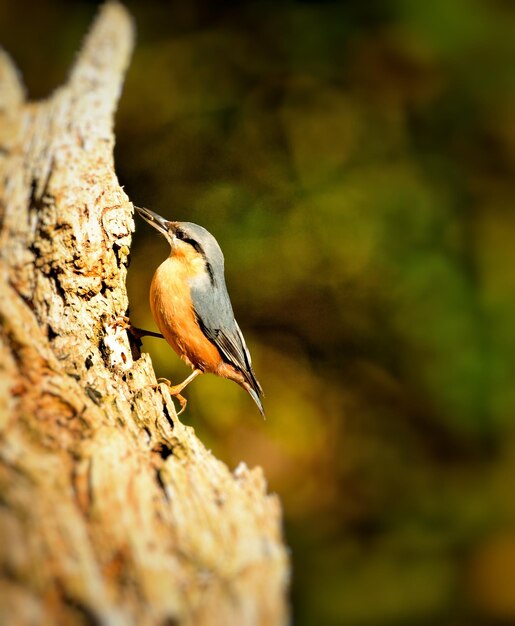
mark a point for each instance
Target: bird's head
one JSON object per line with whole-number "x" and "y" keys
{"x": 188, "y": 240}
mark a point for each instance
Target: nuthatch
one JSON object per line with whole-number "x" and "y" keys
{"x": 191, "y": 307}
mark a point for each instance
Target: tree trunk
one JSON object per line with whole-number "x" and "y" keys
{"x": 111, "y": 511}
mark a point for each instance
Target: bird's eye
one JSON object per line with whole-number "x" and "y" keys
{"x": 180, "y": 234}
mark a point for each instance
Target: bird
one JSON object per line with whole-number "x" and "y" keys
{"x": 192, "y": 309}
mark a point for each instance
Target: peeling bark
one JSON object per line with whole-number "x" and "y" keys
{"x": 111, "y": 510}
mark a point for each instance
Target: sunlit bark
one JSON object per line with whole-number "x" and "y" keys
{"x": 111, "y": 511}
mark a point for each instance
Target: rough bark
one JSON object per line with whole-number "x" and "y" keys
{"x": 111, "y": 510}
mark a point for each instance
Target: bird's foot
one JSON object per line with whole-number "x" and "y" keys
{"x": 175, "y": 391}
{"x": 124, "y": 322}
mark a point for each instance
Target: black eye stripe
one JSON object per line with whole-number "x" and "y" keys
{"x": 194, "y": 244}
{"x": 209, "y": 269}
{"x": 180, "y": 234}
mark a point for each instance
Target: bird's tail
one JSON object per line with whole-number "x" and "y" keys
{"x": 254, "y": 394}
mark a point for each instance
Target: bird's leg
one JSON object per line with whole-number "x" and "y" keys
{"x": 175, "y": 390}
{"x": 137, "y": 333}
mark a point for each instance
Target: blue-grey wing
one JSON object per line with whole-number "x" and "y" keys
{"x": 215, "y": 316}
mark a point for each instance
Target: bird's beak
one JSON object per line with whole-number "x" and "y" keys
{"x": 155, "y": 220}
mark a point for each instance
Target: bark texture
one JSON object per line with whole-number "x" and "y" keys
{"x": 111, "y": 511}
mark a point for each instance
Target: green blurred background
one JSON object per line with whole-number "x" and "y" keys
{"x": 356, "y": 162}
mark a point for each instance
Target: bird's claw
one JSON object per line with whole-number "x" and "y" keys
{"x": 124, "y": 322}
{"x": 138, "y": 333}
{"x": 175, "y": 391}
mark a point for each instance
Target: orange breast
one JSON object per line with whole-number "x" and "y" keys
{"x": 170, "y": 302}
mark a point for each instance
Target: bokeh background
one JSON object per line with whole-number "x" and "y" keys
{"x": 356, "y": 161}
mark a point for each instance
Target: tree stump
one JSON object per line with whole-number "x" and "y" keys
{"x": 111, "y": 511}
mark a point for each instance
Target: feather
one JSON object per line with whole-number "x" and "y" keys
{"x": 213, "y": 309}
{"x": 215, "y": 317}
